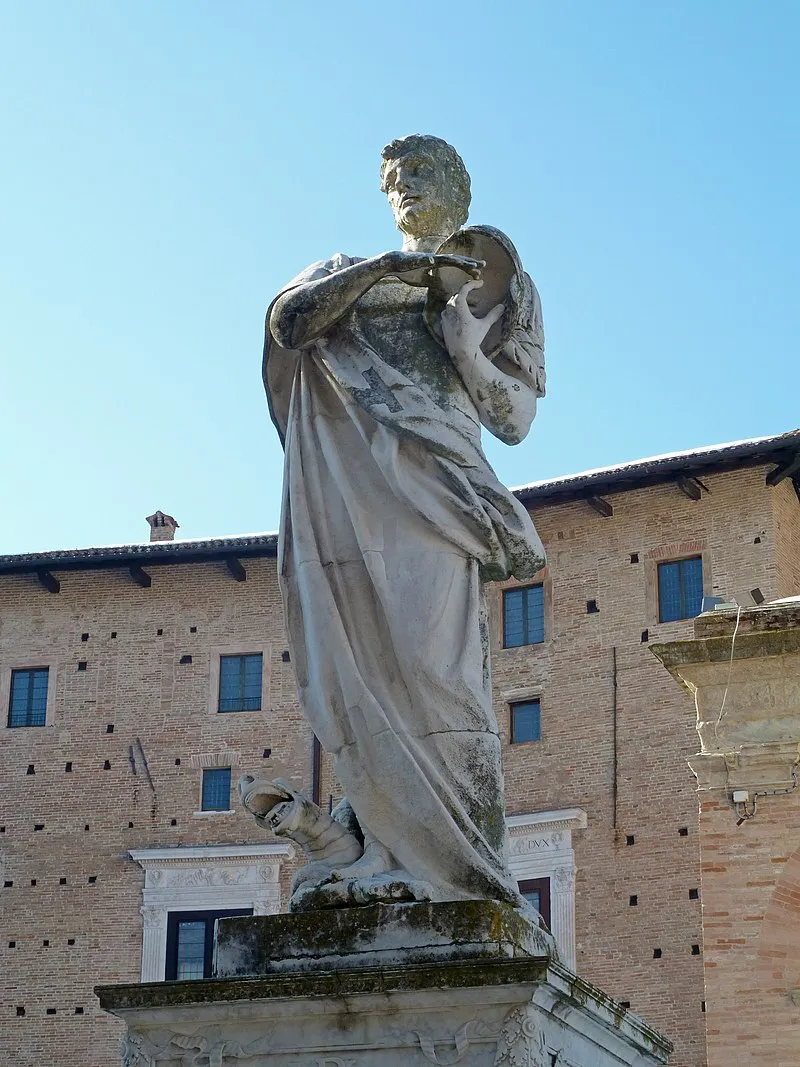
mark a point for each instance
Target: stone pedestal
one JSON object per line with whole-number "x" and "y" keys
{"x": 474, "y": 984}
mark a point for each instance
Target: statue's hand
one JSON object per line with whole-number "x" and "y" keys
{"x": 415, "y": 267}
{"x": 464, "y": 333}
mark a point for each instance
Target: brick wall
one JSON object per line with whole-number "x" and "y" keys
{"x": 136, "y": 682}
{"x": 751, "y": 890}
{"x": 786, "y": 508}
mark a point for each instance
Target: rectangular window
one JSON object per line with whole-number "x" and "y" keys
{"x": 216, "y": 789}
{"x": 537, "y": 892}
{"x": 525, "y": 722}
{"x": 240, "y": 683}
{"x": 523, "y": 616}
{"x": 190, "y": 942}
{"x": 28, "y": 704}
{"x": 680, "y": 589}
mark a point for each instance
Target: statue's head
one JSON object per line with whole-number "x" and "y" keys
{"x": 427, "y": 185}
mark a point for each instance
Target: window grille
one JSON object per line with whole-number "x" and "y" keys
{"x": 523, "y": 616}
{"x": 525, "y": 722}
{"x": 216, "y": 789}
{"x": 240, "y": 682}
{"x": 28, "y": 704}
{"x": 680, "y": 589}
{"x": 190, "y": 942}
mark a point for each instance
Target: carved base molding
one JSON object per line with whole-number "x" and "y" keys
{"x": 755, "y": 768}
{"x": 495, "y": 1013}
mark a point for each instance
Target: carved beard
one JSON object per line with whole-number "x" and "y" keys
{"x": 431, "y": 218}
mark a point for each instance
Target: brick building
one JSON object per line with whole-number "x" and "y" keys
{"x": 742, "y": 667}
{"x": 137, "y": 682}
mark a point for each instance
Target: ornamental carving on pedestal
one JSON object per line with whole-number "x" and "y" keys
{"x": 522, "y": 1041}
{"x": 460, "y": 1043}
{"x": 193, "y": 1050}
{"x": 132, "y": 1052}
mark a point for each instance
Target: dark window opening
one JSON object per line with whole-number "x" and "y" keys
{"x": 537, "y": 892}
{"x": 28, "y": 704}
{"x": 216, "y": 789}
{"x": 523, "y": 616}
{"x": 240, "y": 683}
{"x": 190, "y": 942}
{"x": 680, "y": 589}
{"x": 525, "y": 722}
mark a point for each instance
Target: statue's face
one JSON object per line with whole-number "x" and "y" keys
{"x": 422, "y": 204}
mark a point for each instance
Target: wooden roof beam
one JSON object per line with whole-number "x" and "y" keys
{"x": 601, "y": 506}
{"x": 48, "y": 581}
{"x": 785, "y": 470}
{"x": 690, "y": 487}
{"x": 140, "y": 576}
{"x": 235, "y": 569}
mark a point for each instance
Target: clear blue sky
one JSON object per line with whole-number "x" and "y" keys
{"x": 168, "y": 166}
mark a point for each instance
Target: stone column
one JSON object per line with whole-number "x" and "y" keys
{"x": 742, "y": 671}
{"x": 562, "y": 912}
{"x": 154, "y": 942}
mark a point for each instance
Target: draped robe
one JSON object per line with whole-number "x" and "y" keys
{"x": 391, "y": 520}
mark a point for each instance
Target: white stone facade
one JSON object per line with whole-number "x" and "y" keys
{"x": 541, "y": 847}
{"x": 203, "y": 878}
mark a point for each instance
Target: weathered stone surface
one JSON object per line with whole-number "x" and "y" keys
{"x": 499, "y": 1013}
{"x": 393, "y": 520}
{"x": 743, "y": 672}
{"x": 375, "y": 936}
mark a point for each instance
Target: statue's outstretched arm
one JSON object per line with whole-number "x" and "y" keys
{"x": 305, "y": 313}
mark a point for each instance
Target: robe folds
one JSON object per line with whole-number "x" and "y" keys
{"x": 391, "y": 521}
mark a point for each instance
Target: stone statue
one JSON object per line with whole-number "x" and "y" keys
{"x": 379, "y": 374}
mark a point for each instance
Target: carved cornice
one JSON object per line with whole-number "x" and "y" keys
{"x": 541, "y": 822}
{"x": 185, "y": 855}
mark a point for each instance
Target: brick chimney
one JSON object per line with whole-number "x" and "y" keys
{"x": 162, "y": 527}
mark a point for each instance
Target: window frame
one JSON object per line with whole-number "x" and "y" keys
{"x": 211, "y": 771}
{"x": 12, "y": 673}
{"x": 209, "y": 917}
{"x": 542, "y": 885}
{"x": 512, "y": 705}
{"x": 241, "y": 656}
{"x": 680, "y": 561}
{"x": 525, "y": 614}
{"x": 239, "y": 648}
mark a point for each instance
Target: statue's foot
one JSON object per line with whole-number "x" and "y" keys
{"x": 376, "y": 860}
{"x": 393, "y": 887}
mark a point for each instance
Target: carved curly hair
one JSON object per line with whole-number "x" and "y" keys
{"x": 447, "y": 161}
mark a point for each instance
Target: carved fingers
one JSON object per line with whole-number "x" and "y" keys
{"x": 463, "y": 332}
